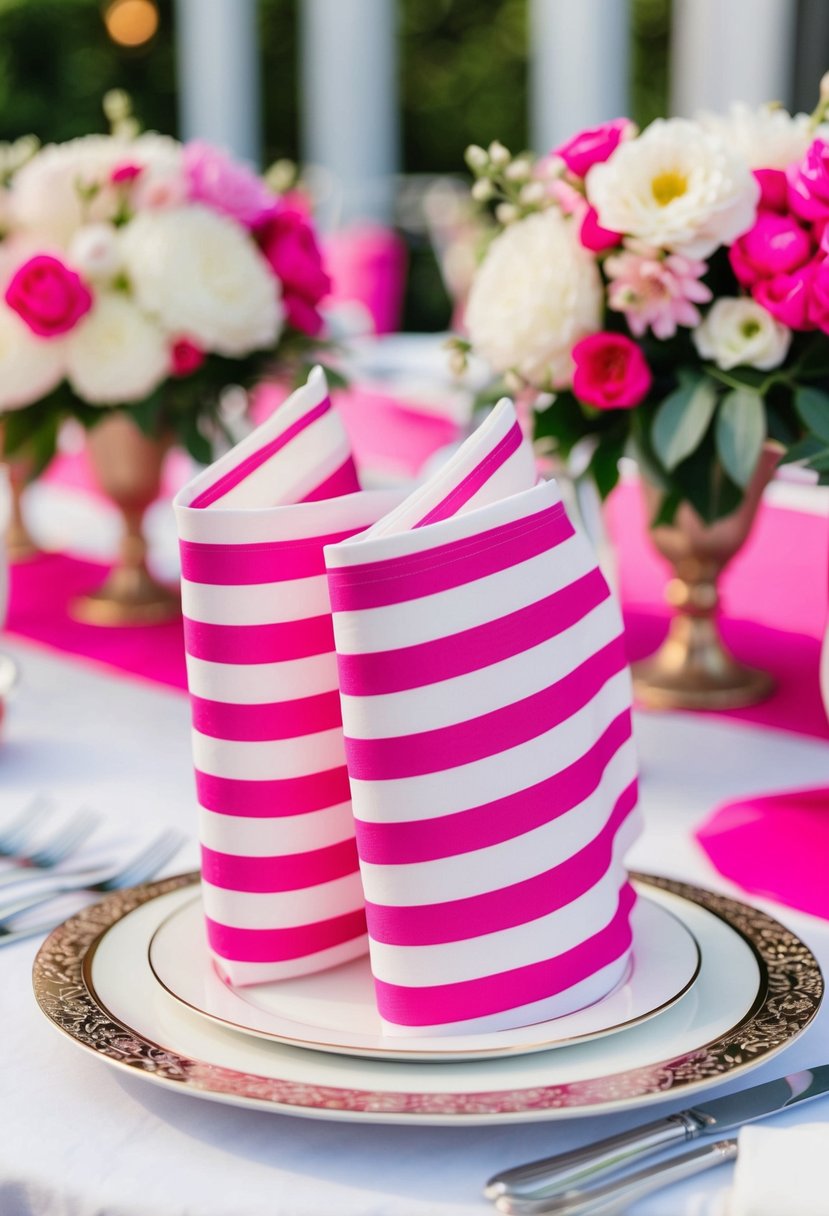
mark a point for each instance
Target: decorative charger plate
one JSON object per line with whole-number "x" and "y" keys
{"x": 334, "y": 1010}
{"x": 93, "y": 980}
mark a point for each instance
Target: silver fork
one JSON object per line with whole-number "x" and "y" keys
{"x": 60, "y": 845}
{"x": 143, "y": 865}
{"x": 17, "y": 834}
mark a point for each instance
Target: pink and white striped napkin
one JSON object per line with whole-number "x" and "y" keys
{"x": 281, "y": 887}
{"x": 486, "y": 709}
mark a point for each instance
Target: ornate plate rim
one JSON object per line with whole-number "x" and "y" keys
{"x": 789, "y": 996}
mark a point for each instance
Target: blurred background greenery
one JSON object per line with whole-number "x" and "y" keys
{"x": 463, "y": 79}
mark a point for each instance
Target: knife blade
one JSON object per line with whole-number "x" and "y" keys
{"x": 565, "y": 1170}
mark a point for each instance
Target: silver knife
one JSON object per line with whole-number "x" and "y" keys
{"x": 553, "y": 1175}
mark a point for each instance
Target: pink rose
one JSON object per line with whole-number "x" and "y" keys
{"x": 809, "y": 183}
{"x": 125, "y": 173}
{"x": 611, "y": 372}
{"x": 289, "y": 244}
{"x": 593, "y": 146}
{"x": 817, "y": 308}
{"x": 774, "y": 190}
{"x": 775, "y": 245}
{"x": 49, "y": 296}
{"x": 186, "y": 357}
{"x": 221, "y": 183}
{"x": 593, "y": 236}
{"x": 786, "y": 296}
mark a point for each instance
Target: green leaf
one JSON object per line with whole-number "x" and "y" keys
{"x": 604, "y": 463}
{"x": 812, "y": 406}
{"x": 667, "y": 509}
{"x": 740, "y": 433}
{"x": 804, "y": 449}
{"x": 682, "y": 420}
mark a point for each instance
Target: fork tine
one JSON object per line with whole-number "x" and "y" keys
{"x": 23, "y": 826}
{"x": 149, "y": 860}
{"x": 66, "y": 840}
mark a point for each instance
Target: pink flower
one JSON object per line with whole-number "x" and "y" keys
{"x": 655, "y": 292}
{"x": 125, "y": 173}
{"x": 774, "y": 190}
{"x": 809, "y": 183}
{"x": 592, "y": 146}
{"x": 776, "y": 244}
{"x": 611, "y": 372}
{"x": 49, "y": 296}
{"x": 186, "y": 357}
{"x": 786, "y": 296}
{"x": 817, "y": 308}
{"x": 221, "y": 183}
{"x": 593, "y": 236}
{"x": 289, "y": 244}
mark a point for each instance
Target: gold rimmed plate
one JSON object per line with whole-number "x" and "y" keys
{"x": 335, "y": 1010}
{"x": 92, "y": 978}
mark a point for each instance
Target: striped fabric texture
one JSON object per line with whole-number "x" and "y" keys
{"x": 486, "y": 708}
{"x": 281, "y": 886}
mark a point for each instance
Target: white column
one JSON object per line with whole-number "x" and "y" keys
{"x": 349, "y": 110}
{"x": 579, "y": 66}
{"x": 731, "y": 50}
{"x": 217, "y": 50}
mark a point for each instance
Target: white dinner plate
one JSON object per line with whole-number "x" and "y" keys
{"x": 335, "y": 1010}
{"x": 759, "y": 986}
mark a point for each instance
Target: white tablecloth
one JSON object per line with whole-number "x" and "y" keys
{"x": 79, "y": 1139}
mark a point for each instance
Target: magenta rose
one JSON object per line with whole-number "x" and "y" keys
{"x": 590, "y": 147}
{"x": 786, "y": 296}
{"x": 221, "y": 183}
{"x": 125, "y": 173}
{"x": 289, "y": 244}
{"x": 774, "y": 190}
{"x": 611, "y": 372}
{"x": 186, "y": 357}
{"x": 817, "y": 309}
{"x": 776, "y": 244}
{"x": 593, "y": 236}
{"x": 49, "y": 296}
{"x": 809, "y": 183}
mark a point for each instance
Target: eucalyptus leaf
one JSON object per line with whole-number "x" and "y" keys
{"x": 740, "y": 433}
{"x": 812, "y": 405}
{"x": 682, "y": 420}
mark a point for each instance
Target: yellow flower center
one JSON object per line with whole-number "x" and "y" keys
{"x": 668, "y": 186}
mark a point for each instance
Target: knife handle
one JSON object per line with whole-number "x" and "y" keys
{"x": 614, "y": 1198}
{"x": 586, "y": 1164}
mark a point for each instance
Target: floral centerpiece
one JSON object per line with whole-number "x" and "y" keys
{"x": 141, "y": 273}
{"x": 139, "y": 279}
{"x": 666, "y": 293}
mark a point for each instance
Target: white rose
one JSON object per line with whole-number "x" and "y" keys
{"x": 30, "y": 367}
{"x": 45, "y": 196}
{"x": 202, "y": 275}
{"x": 740, "y": 333}
{"x": 675, "y": 187}
{"x": 766, "y": 138}
{"x": 535, "y": 295}
{"x": 94, "y": 252}
{"x": 116, "y": 354}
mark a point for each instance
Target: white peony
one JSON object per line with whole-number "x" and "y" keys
{"x": 46, "y": 194}
{"x": 201, "y": 275}
{"x": 676, "y": 187}
{"x": 535, "y": 295}
{"x": 766, "y": 138}
{"x": 116, "y": 354}
{"x": 740, "y": 333}
{"x": 94, "y": 251}
{"x": 30, "y": 367}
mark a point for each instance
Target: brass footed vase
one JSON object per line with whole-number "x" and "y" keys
{"x": 20, "y": 547}
{"x": 127, "y": 465}
{"x": 692, "y": 668}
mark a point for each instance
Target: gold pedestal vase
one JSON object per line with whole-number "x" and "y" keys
{"x": 20, "y": 547}
{"x": 692, "y": 668}
{"x": 127, "y": 465}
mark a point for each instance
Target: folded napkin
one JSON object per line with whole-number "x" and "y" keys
{"x": 780, "y": 1171}
{"x": 486, "y": 709}
{"x": 281, "y": 887}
